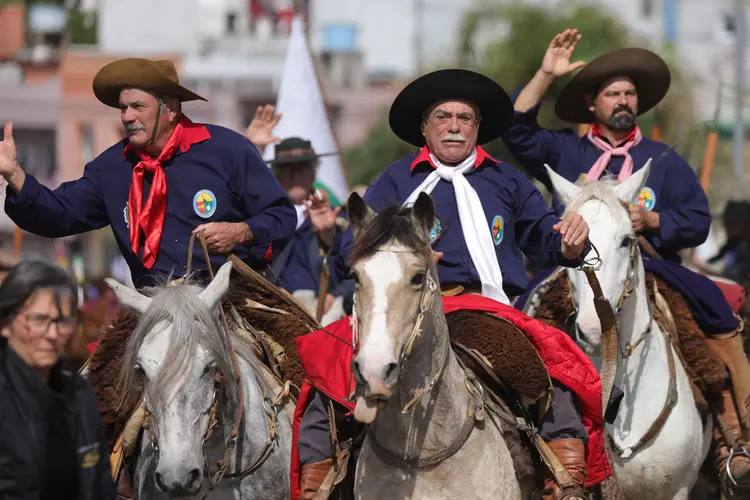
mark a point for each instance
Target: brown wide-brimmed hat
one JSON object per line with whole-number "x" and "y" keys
{"x": 158, "y": 77}
{"x": 493, "y": 102}
{"x": 648, "y": 71}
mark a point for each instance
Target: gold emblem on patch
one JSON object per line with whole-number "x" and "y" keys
{"x": 91, "y": 459}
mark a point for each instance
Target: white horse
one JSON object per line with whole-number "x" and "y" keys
{"x": 424, "y": 441}
{"x": 180, "y": 358}
{"x": 667, "y": 465}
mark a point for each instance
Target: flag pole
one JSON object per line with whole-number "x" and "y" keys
{"x": 303, "y": 17}
{"x": 17, "y": 241}
{"x": 712, "y": 142}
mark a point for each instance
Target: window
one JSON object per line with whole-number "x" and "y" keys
{"x": 87, "y": 144}
{"x": 231, "y": 27}
{"x": 647, "y": 7}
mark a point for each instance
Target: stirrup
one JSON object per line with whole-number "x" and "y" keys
{"x": 736, "y": 451}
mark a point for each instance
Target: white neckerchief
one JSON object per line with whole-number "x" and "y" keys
{"x": 473, "y": 222}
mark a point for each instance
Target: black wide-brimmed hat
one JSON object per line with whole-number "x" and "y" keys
{"x": 649, "y": 72}
{"x": 159, "y": 77}
{"x": 492, "y": 101}
{"x": 294, "y": 150}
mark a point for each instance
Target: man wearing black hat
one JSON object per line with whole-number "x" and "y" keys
{"x": 299, "y": 266}
{"x": 671, "y": 212}
{"x": 170, "y": 178}
{"x": 488, "y": 213}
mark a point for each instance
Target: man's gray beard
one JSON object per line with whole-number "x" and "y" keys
{"x": 621, "y": 122}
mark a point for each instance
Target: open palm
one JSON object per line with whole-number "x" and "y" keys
{"x": 556, "y": 60}
{"x": 7, "y": 151}
{"x": 259, "y": 130}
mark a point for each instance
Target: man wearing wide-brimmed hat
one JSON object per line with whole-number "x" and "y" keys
{"x": 170, "y": 178}
{"x": 488, "y": 213}
{"x": 299, "y": 267}
{"x": 671, "y": 211}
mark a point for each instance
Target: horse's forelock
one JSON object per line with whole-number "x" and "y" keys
{"x": 392, "y": 225}
{"x": 192, "y": 325}
{"x": 603, "y": 189}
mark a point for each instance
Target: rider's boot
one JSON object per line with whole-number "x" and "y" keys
{"x": 732, "y": 461}
{"x": 572, "y": 455}
{"x": 312, "y": 477}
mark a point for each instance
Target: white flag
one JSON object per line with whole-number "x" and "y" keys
{"x": 304, "y": 114}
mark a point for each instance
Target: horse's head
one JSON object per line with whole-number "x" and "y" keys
{"x": 603, "y": 205}
{"x": 392, "y": 267}
{"x": 178, "y": 357}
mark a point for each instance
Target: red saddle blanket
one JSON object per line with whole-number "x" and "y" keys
{"x": 326, "y": 357}
{"x": 734, "y": 293}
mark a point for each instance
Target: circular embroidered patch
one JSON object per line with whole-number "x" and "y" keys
{"x": 436, "y": 231}
{"x": 497, "y": 229}
{"x": 126, "y": 215}
{"x": 204, "y": 203}
{"x": 646, "y": 199}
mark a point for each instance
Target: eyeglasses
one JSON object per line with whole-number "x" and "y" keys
{"x": 38, "y": 324}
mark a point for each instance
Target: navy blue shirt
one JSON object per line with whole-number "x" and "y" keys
{"x": 519, "y": 219}
{"x": 672, "y": 188}
{"x": 216, "y": 175}
{"x": 302, "y": 268}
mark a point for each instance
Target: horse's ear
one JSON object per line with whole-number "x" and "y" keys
{"x": 129, "y": 298}
{"x": 629, "y": 189}
{"x": 566, "y": 190}
{"x": 423, "y": 212}
{"x": 218, "y": 287}
{"x": 359, "y": 213}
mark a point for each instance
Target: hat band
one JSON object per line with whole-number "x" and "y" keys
{"x": 295, "y": 152}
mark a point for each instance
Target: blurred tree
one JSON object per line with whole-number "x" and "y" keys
{"x": 507, "y": 43}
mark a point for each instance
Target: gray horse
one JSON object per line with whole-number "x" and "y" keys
{"x": 179, "y": 358}
{"x": 425, "y": 440}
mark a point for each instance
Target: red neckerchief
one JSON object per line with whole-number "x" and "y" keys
{"x": 598, "y": 132}
{"x": 150, "y": 218}
{"x": 424, "y": 156}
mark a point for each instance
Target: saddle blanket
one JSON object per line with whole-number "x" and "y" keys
{"x": 326, "y": 356}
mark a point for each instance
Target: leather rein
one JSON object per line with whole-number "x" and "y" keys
{"x": 610, "y": 340}
{"x": 269, "y": 406}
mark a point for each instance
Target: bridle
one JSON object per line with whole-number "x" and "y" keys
{"x": 271, "y": 407}
{"x": 425, "y": 301}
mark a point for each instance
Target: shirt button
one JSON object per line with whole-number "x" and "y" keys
{"x": 175, "y": 241}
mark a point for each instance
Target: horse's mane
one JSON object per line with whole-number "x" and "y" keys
{"x": 193, "y": 325}
{"x": 393, "y": 224}
{"x": 603, "y": 189}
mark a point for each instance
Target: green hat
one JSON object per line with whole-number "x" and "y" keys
{"x": 294, "y": 150}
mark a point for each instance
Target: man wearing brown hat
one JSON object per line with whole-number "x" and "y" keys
{"x": 671, "y": 211}
{"x": 170, "y": 178}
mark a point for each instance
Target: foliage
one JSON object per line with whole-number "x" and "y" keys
{"x": 82, "y": 27}
{"x": 507, "y": 43}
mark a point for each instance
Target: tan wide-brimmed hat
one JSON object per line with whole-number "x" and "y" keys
{"x": 159, "y": 77}
{"x": 648, "y": 71}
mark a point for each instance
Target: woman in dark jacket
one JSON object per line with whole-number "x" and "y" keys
{"x": 51, "y": 441}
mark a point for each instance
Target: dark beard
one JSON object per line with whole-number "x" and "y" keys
{"x": 621, "y": 122}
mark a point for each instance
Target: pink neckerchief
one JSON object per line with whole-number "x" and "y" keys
{"x": 609, "y": 152}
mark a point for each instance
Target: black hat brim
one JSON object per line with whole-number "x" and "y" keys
{"x": 496, "y": 107}
{"x": 649, "y": 72}
{"x": 291, "y": 160}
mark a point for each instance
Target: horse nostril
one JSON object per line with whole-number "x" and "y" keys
{"x": 160, "y": 482}
{"x": 193, "y": 477}
{"x": 357, "y": 372}
{"x": 390, "y": 372}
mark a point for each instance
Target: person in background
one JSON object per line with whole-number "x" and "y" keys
{"x": 300, "y": 266}
{"x": 52, "y": 445}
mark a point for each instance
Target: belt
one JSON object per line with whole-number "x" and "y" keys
{"x": 453, "y": 289}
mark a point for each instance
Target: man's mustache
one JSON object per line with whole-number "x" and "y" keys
{"x": 453, "y": 138}
{"x": 623, "y": 107}
{"x": 133, "y": 127}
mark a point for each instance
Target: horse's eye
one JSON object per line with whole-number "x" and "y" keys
{"x": 354, "y": 277}
{"x": 418, "y": 279}
{"x": 626, "y": 242}
{"x": 210, "y": 368}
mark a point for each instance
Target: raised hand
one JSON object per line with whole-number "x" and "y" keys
{"x": 556, "y": 60}
{"x": 8, "y": 163}
{"x": 259, "y": 130}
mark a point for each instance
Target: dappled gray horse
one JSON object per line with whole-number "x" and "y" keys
{"x": 181, "y": 361}
{"x": 424, "y": 440}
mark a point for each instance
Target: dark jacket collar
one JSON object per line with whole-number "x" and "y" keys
{"x": 30, "y": 390}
